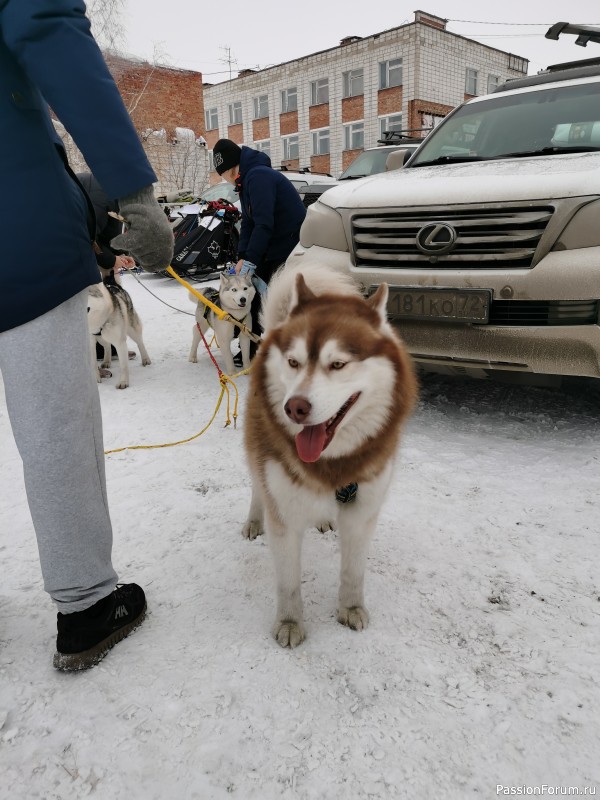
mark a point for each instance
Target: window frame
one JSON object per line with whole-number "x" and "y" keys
{"x": 211, "y": 115}
{"x": 236, "y": 105}
{"x": 471, "y": 79}
{"x": 287, "y": 142}
{"x": 317, "y": 138}
{"x": 385, "y": 72}
{"x": 352, "y": 129}
{"x": 349, "y": 78}
{"x": 263, "y": 146}
{"x": 315, "y": 88}
{"x": 286, "y": 96}
{"x": 387, "y": 127}
{"x": 260, "y": 104}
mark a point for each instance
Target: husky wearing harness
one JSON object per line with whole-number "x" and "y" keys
{"x": 111, "y": 319}
{"x": 234, "y": 296}
{"x": 330, "y": 388}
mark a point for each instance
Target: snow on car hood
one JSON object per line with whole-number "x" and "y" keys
{"x": 540, "y": 178}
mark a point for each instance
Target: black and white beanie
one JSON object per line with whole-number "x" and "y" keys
{"x": 226, "y": 154}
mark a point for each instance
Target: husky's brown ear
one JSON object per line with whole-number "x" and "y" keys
{"x": 303, "y": 294}
{"x": 378, "y": 300}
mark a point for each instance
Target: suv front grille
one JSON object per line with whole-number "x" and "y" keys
{"x": 491, "y": 238}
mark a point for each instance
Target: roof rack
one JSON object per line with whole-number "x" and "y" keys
{"x": 398, "y": 137}
{"x": 584, "y": 33}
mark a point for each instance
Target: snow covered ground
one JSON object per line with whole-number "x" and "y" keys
{"x": 481, "y": 664}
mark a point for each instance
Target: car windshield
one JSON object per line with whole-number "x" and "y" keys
{"x": 222, "y": 191}
{"x": 549, "y": 120}
{"x": 371, "y": 162}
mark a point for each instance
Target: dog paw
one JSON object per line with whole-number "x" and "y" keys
{"x": 323, "y": 527}
{"x": 288, "y": 633}
{"x": 103, "y": 373}
{"x": 252, "y": 529}
{"x": 193, "y": 359}
{"x": 122, "y": 385}
{"x": 145, "y": 362}
{"x": 356, "y": 617}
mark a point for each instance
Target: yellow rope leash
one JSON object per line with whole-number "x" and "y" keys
{"x": 224, "y": 380}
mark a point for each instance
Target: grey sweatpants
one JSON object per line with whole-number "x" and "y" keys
{"x": 54, "y": 409}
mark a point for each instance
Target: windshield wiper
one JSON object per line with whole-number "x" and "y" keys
{"x": 451, "y": 159}
{"x": 545, "y": 151}
{"x": 352, "y": 177}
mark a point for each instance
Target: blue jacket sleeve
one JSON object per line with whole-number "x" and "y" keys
{"x": 52, "y": 42}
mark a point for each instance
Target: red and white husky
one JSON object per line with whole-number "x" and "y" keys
{"x": 331, "y": 386}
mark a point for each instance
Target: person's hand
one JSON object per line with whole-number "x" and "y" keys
{"x": 239, "y": 265}
{"x": 247, "y": 267}
{"x": 124, "y": 262}
{"x": 148, "y": 235}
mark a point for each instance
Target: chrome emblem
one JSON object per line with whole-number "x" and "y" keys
{"x": 436, "y": 239}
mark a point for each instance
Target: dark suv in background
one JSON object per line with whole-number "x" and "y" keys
{"x": 370, "y": 162}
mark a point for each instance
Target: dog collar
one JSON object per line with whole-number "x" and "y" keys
{"x": 347, "y": 494}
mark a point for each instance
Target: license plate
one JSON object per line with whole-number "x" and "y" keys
{"x": 449, "y": 305}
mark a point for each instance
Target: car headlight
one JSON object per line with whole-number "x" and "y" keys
{"x": 583, "y": 230}
{"x": 323, "y": 227}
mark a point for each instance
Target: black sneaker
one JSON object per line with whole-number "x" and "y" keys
{"x": 85, "y": 637}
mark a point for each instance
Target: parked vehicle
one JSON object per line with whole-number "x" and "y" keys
{"x": 371, "y": 161}
{"x": 489, "y": 238}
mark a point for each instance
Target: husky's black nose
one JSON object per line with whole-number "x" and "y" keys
{"x": 243, "y": 301}
{"x": 297, "y": 409}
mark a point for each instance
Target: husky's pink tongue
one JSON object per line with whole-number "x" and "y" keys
{"x": 310, "y": 442}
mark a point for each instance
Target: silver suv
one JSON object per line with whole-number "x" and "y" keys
{"x": 489, "y": 238}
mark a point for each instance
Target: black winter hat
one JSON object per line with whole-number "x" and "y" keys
{"x": 226, "y": 154}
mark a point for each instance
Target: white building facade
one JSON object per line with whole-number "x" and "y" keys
{"x": 320, "y": 111}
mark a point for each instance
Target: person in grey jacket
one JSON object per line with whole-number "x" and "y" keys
{"x": 48, "y": 57}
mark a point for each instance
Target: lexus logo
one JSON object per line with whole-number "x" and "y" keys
{"x": 436, "y": 239}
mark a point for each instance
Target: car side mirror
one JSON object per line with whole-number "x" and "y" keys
{"x": 397, "y": 159}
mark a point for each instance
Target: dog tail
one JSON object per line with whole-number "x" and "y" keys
{"x": 281, "y": 296}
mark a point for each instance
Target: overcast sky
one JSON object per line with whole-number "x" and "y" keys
{"x": 195, "y": 35}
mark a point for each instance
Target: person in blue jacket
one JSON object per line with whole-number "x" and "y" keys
{"x": 48, "y": 57}
{"x": 272, "y": 212}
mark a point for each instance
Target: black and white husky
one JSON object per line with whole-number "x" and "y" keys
{"x": 235, "y": 296}
{"x": 111, "y": 319}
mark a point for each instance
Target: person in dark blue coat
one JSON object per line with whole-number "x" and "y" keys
{"x": 48, "y": 57}
{"x": 272, "y": 212}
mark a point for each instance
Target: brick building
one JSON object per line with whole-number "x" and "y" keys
{"x": 166, "y": 107}
{"x": 159, "y": 97}
{"x": 321, "y": 110}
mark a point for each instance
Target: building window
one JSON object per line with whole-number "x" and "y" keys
{"x": 516, "y": 63}
{"x": 390, "y": 73}
{"x": 235, "y": 113}
{"x": 320, "y": 142}
{"x": 392, "y": 123}
{"x": 493, "y": 83}
{"x": 471, "y": 76}
{"x": 263, "y": 147}
{"x": 353, "y": 83}
{"x": 291, "y": 149}
{"x": 211, "y": 119}
{"x": 289, "y": 100}
{"x": 319, "y": 91}
{"x": 261, "y": 106}
{"x": 354, "y": 136}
